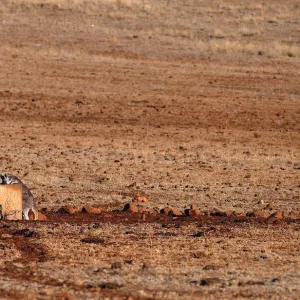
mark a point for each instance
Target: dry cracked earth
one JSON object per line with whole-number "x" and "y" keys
{"x": 106, "y": 101}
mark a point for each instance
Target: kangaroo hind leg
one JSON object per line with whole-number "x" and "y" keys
{"x": 25, "y": 214}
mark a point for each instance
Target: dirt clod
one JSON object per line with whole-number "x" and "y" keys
{"x": 69, "y": 209}
{"x": 193, "y": 212}
{"x": 217, "y": 212}
{"x": 130, "y": 207}
{"x": 91, "y": 210}
{"x": 170, "y": 211}
{"x": 41, "y": 217}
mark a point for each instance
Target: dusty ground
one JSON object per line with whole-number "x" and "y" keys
{"x": 183, "y": 103}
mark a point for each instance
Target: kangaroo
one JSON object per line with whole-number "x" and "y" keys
{"x": 27, "y": 197}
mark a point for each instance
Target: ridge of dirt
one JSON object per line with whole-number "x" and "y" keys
{"x": 132, "y": 218}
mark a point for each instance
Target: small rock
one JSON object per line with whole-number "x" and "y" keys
{"x": 193, "y": 212}
{"x": 91, "y": 210}
{"x": 130, "y": 207}
{"x": 140, "y": 199}
{"x": 239, "y": 214}
{"x": 217, "y": 212}
{"x": 69, "y": 209}
{"x": 229, "y": 213}
{"x": 41, "y": 216}
{"x": 174, "y": 212}
{"x": 170, "y": 211}
{"x": 165, "y": 210}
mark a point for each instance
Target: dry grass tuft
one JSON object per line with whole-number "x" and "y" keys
{"x": 249, "y": 31}
{"x": 275, "y": 50}
{"x": 218, "y": 33}
{"x": 227, "y": 28}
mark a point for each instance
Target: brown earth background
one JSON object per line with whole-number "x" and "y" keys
{"x": 182, "y": 102}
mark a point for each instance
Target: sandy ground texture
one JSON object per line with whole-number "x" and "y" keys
{"x": 195, "y": 102}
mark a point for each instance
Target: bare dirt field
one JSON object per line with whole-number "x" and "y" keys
{"x": 181, "y": 102}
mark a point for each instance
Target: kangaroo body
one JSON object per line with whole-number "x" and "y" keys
{"x": 27, "y": 197}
